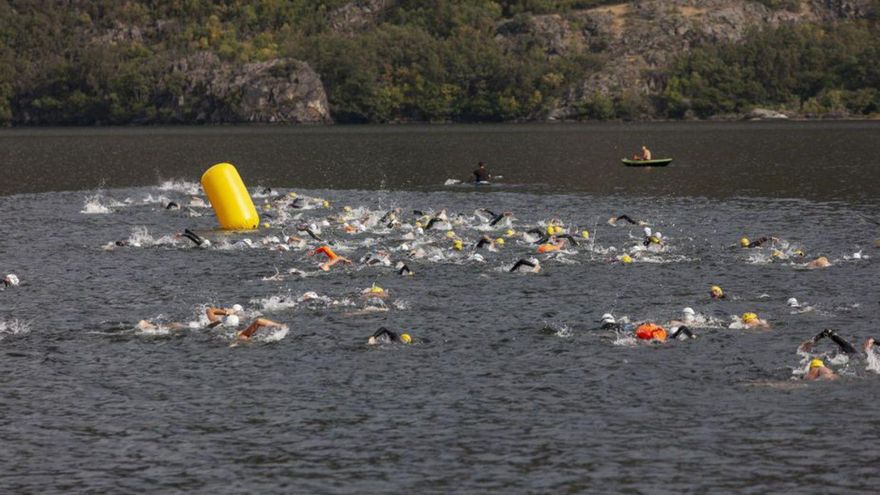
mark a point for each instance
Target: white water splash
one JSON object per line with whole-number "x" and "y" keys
{"x": 14, "y": 328}
{"x": 181, "y": 186}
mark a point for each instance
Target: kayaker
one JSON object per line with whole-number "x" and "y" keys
{"x": 481, "y": 174}
{"x": 645, "y": 156}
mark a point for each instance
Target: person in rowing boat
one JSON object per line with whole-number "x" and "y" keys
{"x": 481, "y": 174}
{"x": 645, "y": 156}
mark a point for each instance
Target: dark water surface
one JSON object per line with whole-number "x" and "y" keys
{"x": 509, "y": 388}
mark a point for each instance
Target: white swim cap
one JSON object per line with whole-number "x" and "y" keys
{"x": 607, "y": 318}
{"x": 792, "y": 302}
{"x": 688, "y": 311}
{"x": 205, "y": 244}
{"x": 237, "y": 308}
{"x": 658, "y": 235}
{"x": 309, "y": 295}
{"x": 648, "y": 231}
{"x": 231, "y": 321}
{"x": 11, "y": 279}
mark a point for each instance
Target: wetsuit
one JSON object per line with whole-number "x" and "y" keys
{"x": 523, "y": 262}
{"x": 171, "y": 205}
{"x": 404, "y": 270}
{"x": 296, "y": 203}
{"x": 327, "y": 251}
{"x": 482, "y": 242}
{"x": 481, "y": 175}
{"x": 385, "y": 336}
{"x": 758, "y": 242}
{"x": 307, "y": 230}
{"x": 683, "y": 330}
{"x": 844, "y": 346}
{"x": 189, "y": 234}
{"x": 627, "y": 219}
{"x": 569, "y": 237}
{"x": 431, "y": 223}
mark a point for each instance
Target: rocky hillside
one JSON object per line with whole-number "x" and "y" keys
{"x": 136, "y": 61}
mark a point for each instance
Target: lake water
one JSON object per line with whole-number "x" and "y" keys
{"x": 509, "y": 387}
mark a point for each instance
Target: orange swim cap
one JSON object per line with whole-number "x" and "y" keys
{"x": 546, "y": 248}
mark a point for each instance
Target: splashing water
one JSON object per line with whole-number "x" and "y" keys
{"x": 14, "y": 328}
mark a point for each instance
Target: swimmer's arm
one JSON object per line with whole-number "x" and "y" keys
{"x": 214, "y": 314}
{"x": 844, "y": 346}
{"x": 259, "y": 322}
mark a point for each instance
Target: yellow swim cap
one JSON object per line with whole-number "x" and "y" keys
{"x": 511, "y": 232}
{"x": 375, "y": 289}
{"x": 291, "y": 194}
{"x": 450, "y": 234}
{"x": 585, "y": 234}
{"x": 457, "y": 245}
{"x": 625, "y": 259}
{"x": 418, "y": 225}
{"x": 499, "y": 241}
{"x": 744, "y": 242}
{"x": 777, "y": 253}
{"x": 551, "y": 230}
{"x": 405, "y": 338}
{"x": 816, "y": 363}
{"x": 265, "y": 225}
{"x": 654, "y": 239}
{"x": 326, "y": 204}
{"x": 346, "y": 208}
{"x": 799, "y": 252}
{"x": 749, "y": 317}
{"x": 716, "y": 291}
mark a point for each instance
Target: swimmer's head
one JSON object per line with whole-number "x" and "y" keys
{"x": 798, "y": 252}
{"x": 11, "y": 279}
{"x": 375, "y": 289}
{"x": 510, "y": 233}
{"x": 817, "y": 363}
{"x": 237, "y": 308}
{"x": 626, "y": 259}
{"x": 325, "y": 204}
{"x": 792, "y": 302}
{"x": 749, "y": 317}
{"x": 716, "y": 291}
{"x": 585, "y": 234}
{"x": 744, "y": 242}
{"x": 231, "y": 321}
{"x": 777, "y": 253}
{"x": 688, "y": 313}
{"x": 346, "y": 209}
{"x": 647, "y": 231}
{"x": 608, "y": 318}
{"x": 265, "y": 225}
{"x": 457, "y": 245}
{"x": 499, "y": 241}
{"x": 291, "y": 194}
{"x": 418, "y": 225}
{"x": 405, "y": 338}
{"x": 450, "y": 234}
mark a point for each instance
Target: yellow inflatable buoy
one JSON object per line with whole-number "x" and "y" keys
{"x": 229, "y": 197}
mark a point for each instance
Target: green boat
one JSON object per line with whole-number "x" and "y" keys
{"x": 660, "y": 162}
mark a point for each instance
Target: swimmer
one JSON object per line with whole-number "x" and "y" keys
{"x": 374, "y": 292}
{"x": 745, "y": 243}
{"x": 652, "y": 238}
{"x": 610, "y": 323}
{"x": 682, "y": 332}
{"x": 248, "y": 332}
{"x": 613, "y": 221}
{"x": 333, "y": 258}
{"x": 377, "y": 258}
{"x": 485, "y": 240}
{"x": 715, "y": 292}
{"x": 402, "y": 269}
{"x": 214, "y": 314}
{"x": 688, "y": 317}
{"x": 497, "y": 218}
{"x": 818, "y": 371}
{"x": 553, "y": 244}
{"x": 308, "y": 230}
{"x": 148, "y": 325}
{"x": 385, "y": 336}
{"x": 532, "y": 264}
{"x": 195, "y": 238}
{"x": 751, "y": 320}
{"x": 842, "y": 344}
{"x": 10, "y": 280}
{"x": 820, "y": 262}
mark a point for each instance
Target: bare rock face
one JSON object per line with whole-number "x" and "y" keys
{"x": 276, "y": 91}
{"x": 641, "y": 38}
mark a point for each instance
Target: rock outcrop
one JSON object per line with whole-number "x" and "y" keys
{"x": 639, "y": 39}
{"x": 275, "y": 91}
{"x": 357, "y": 15}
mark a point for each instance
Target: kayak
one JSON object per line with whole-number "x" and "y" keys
{"x": 660, "y": 162}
